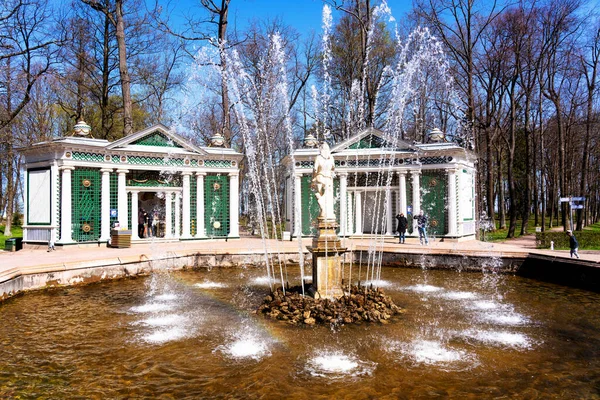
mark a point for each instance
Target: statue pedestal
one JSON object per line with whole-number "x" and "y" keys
{"x": 326, "y": 260}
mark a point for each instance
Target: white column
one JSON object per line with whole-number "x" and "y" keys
{"x": 452, "y": 212}
{"x": 298, "y": 205}
{"x": 234, "y": 205}
{"x": 358, "y": 212}
{"x": 185, "y": 224}
{"x": 343, "y": 203}
{"x": 65, "y": 206}
{"x": 55, "y": 206}
{"x": 402, "y": 192}
{"x": 122, "y": 199}
{"x": 134, "y": 216}
{"x": 459, "y": 203}
{"x": 105, "y": 205}
{"x": 177, "y": 214}
{"x": 389, "y": 216}
{"x": 168, "y": 215}
{"x": 416, "y": 195}
{"x": 200, "y": 232}
{"x": 350, "y": 208}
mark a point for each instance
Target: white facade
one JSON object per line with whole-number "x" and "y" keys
{"x": 378, "y": 177}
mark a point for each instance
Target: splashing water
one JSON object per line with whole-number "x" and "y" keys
{"x": 424, "y": 288}
{"x": 210, "y": 285}
{"x": 499, "y": 338}
{"x": 485, "y": 305}
{"x": 459, "y": 295}
{"x": 263, "y": 280}
{"x": 246, "y": 344}
{"x": 166, "y": 297}
{"x": 151, "y": 308}
{"x": 172, "y": 319}
{"x": 431, "y": 352}
{"x": 337, "y": 365}
{"x": 505, "y": 318}
{"x": 165, "y": 335}
{"x": 378, "y": 283}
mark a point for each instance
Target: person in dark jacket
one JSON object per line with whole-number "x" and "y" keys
{"x": 573, "y": 244}
{"x": 401, "y": 227}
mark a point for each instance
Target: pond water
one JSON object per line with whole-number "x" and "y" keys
{"x": 193, "y": 335}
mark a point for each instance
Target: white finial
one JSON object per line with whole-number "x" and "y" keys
{"x": 82, "y": 129}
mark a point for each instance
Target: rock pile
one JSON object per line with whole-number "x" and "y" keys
{"x": 361, "y": 305}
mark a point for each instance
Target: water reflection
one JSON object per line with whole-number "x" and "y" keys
{"x": 195, "y": 334}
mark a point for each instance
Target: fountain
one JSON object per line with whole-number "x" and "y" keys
{"x": 196, "y": 333}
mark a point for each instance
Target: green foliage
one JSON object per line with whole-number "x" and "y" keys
{"x": 17, "y": 218}
{"x": 500, "y": 234}
{"x": 588, "y": 239}
{"x": 594, "y": 227}
{"x": 17, "y": 231}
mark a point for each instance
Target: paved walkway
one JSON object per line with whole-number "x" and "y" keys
{"x": 28, "y": 260}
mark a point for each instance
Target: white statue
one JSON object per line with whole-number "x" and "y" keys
{"x": 322, "y": 181}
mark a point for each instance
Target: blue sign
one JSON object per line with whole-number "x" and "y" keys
{"x": 409, "y": 210}
{"x": 114, "y": 213}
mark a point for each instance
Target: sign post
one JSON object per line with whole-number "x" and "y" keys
{"x": 575, "y": 203}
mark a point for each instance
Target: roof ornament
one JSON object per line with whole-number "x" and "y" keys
{"x": 436, "y": 136}
{"x": 217, "y": 140}
{"x": 310, "y": 141}
{"x": 82, "y": 129}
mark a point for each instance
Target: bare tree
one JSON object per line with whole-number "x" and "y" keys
{"x": 589, "y": 63}
{"x": 27, "y": 52}
{"x": 559, "y": 26}
{"x": 217, "y": 14}
{"x": 114, "y": 14}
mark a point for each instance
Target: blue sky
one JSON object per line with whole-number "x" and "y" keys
{"x": 303, "y": 15}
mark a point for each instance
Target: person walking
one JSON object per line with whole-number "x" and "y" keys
{"x": 573, "y": 244}
{"x": 141, "y": 223}
{"x": 401, "y": 227}
{"x": 422, "y": 227}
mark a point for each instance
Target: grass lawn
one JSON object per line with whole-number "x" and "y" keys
{"x": 500, "y": 234}
{"x": 16, "y": 233}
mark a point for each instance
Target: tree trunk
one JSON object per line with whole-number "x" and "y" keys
{"x": 105, "y": 76}
{"x": 490, "y": 176}
{"x": 535, "y": 188}
{"x": 528, "y": 174}
{"x": 124, "y": 72}
{"x": 9, "y": 140}
{"x": 501, "y": 204}
{"x": 562, "y": 182}
{"x": 222, "y": 37}
{"x": 543, "y": 184}
{"x": 512, "y": 192}
{"x": 591, "y": 89}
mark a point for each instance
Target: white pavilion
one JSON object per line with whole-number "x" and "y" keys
{"x": 378, "y": 177}
{"x": 78, "y": 188}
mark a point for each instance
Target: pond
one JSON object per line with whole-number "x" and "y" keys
{"x": 194, "y": 334}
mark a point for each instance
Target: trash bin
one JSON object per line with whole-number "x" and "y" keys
{"x": 120, "y": 238}
{"x": 10, "y": 245}
{"x": 13, "y": 244}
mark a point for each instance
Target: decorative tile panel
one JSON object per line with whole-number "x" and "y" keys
{"x": 156, "y": 139}
{"x": 82, "y": 156}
